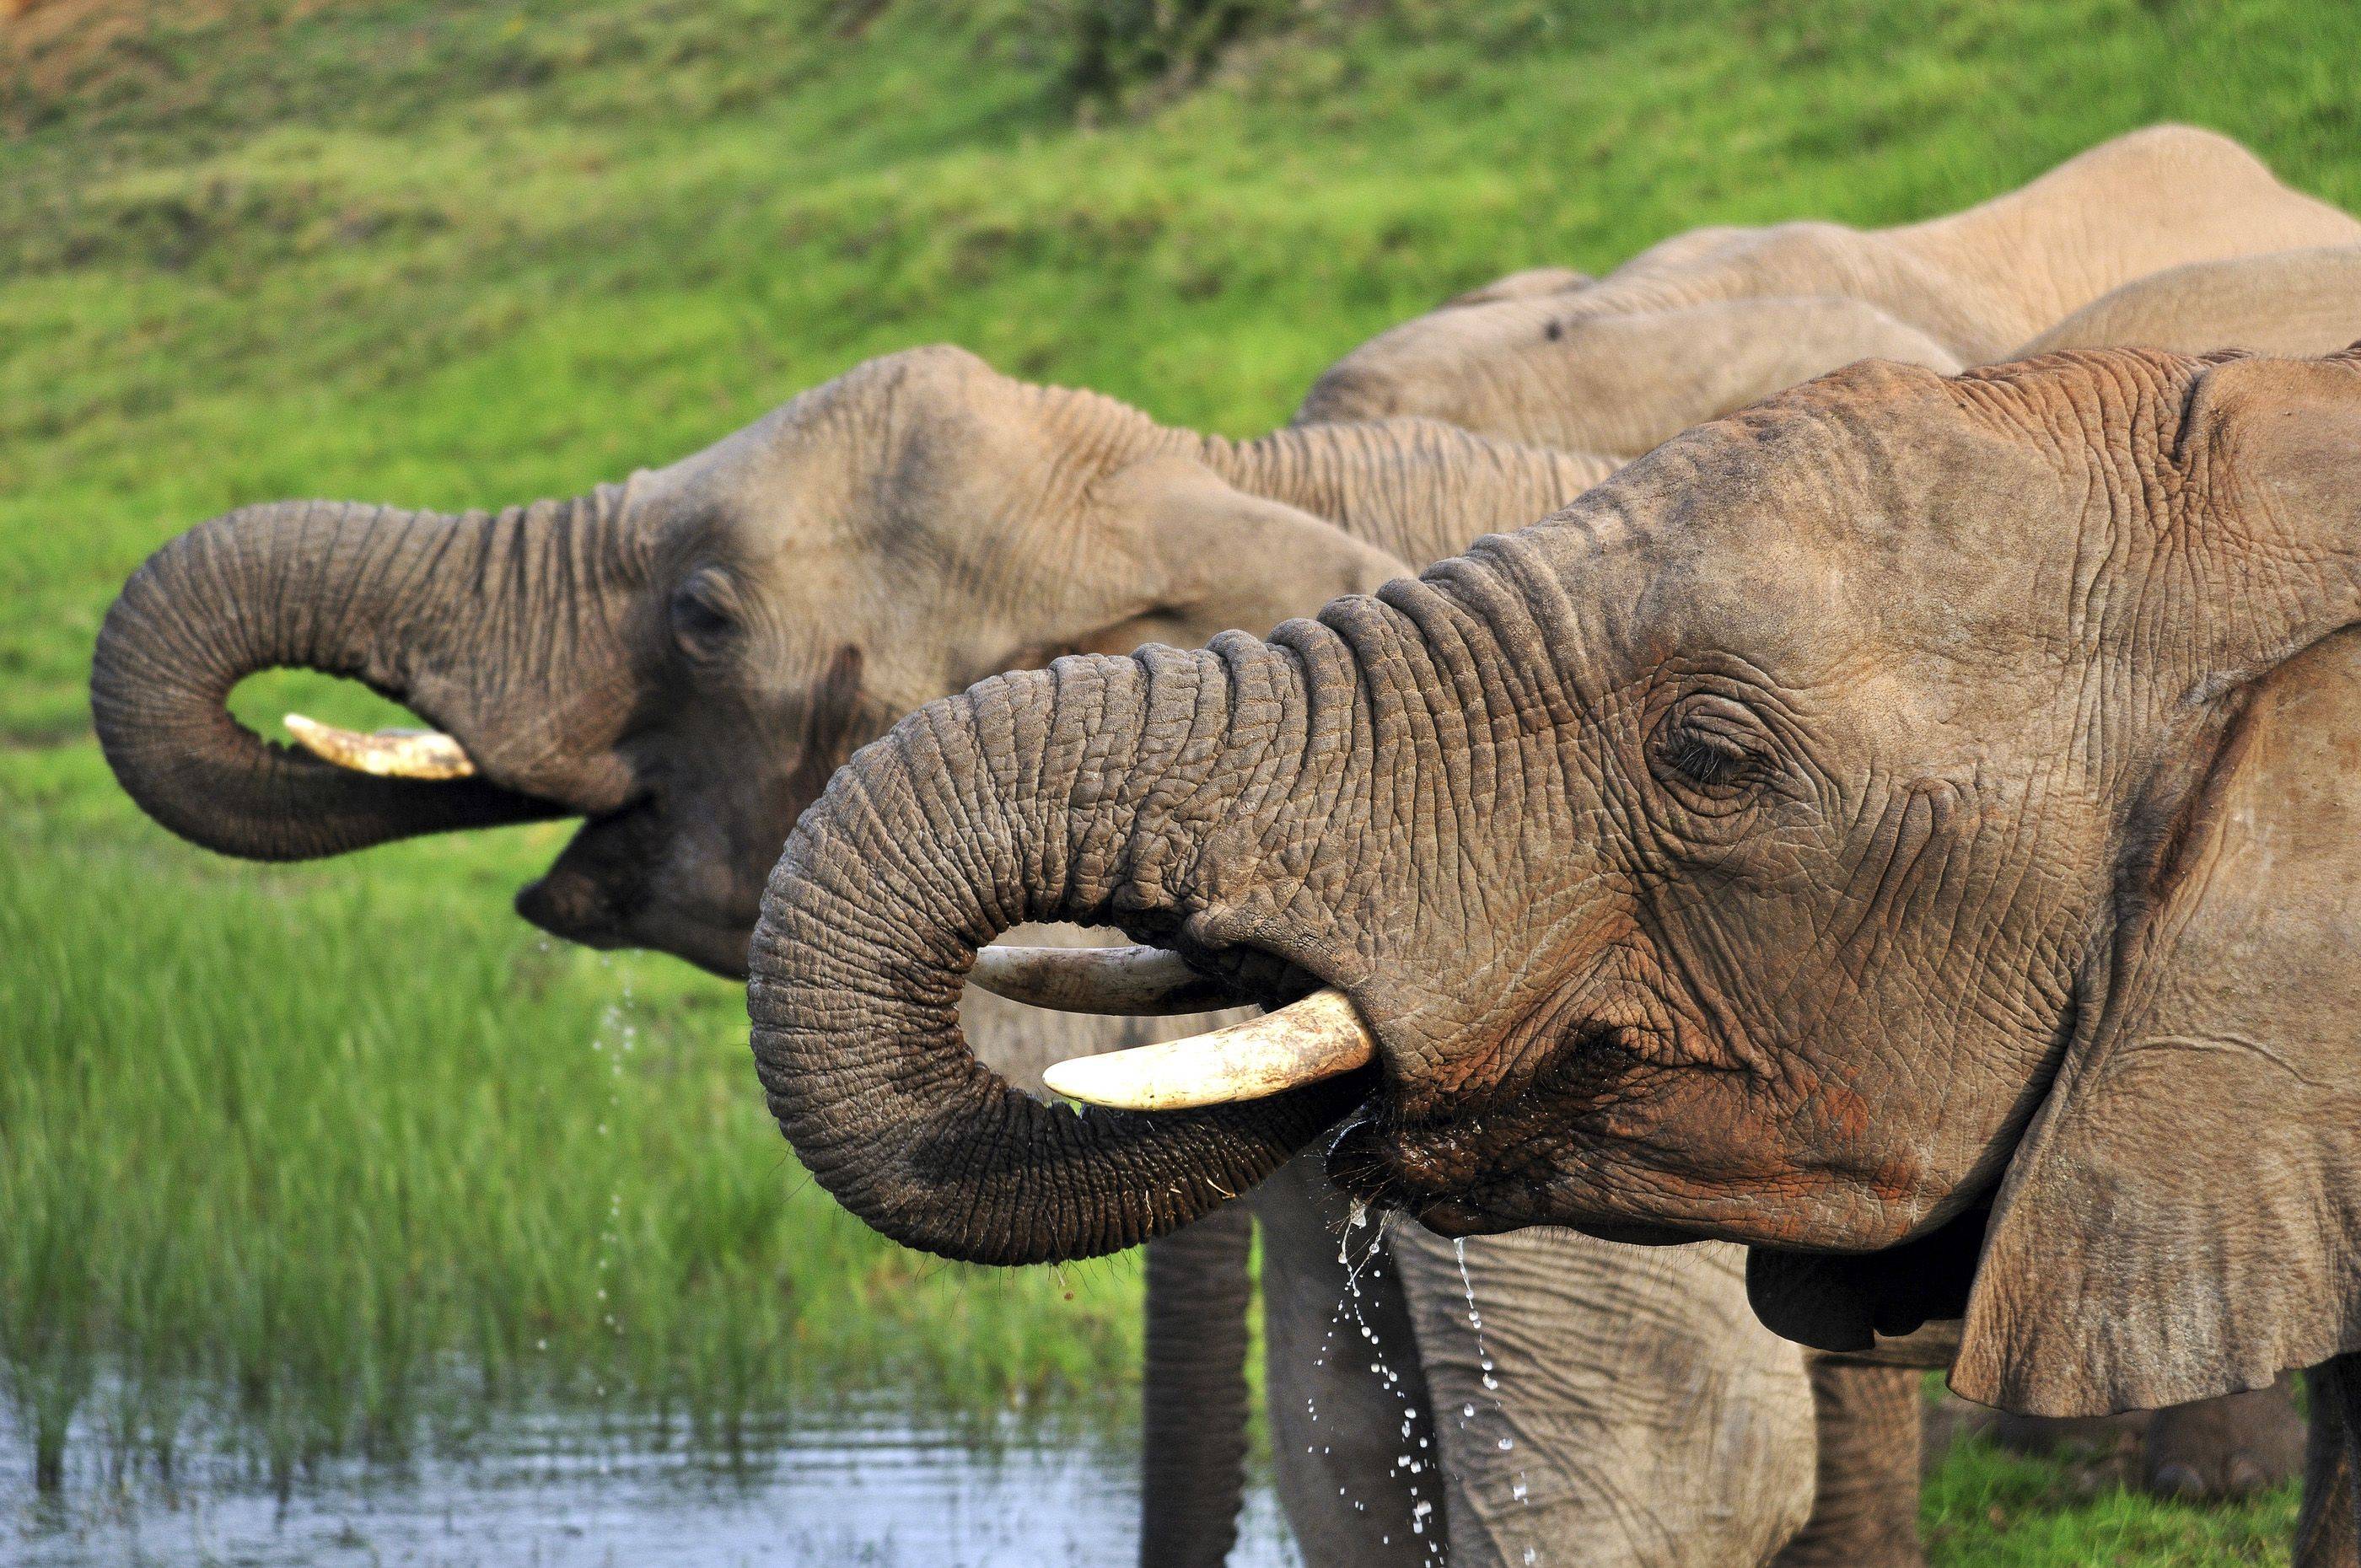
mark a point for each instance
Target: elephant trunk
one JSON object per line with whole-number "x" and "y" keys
{"x": 411, "y": 603}
{"x": 1192, "y": 1395}
{"x": 1050, "y": 794}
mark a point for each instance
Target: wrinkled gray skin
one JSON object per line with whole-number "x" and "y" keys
{"x": 1710, "y": 320}
{"x": 1908, "y": 829}
{"x": 2288, "y": 301}
{"x": 1715, "y": 319}
{"x": 684, "y": 658}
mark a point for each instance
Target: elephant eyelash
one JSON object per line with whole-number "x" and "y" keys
{"x": 1707, "y": 759}
{"x": 1713, "y": 757}
{"x": 701, "y": 625}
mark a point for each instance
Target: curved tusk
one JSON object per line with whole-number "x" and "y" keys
{"x": 1129, "y": 981}
{"x": 1302, "y": 1043}
{"x": 388, "y": 753}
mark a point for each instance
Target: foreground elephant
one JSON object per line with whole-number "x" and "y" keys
{"x": 684, "y": 660}
{"x": 1554, "y": 357}
{"x": 1910, "y": 829}
{"x": 1712, "y": 320}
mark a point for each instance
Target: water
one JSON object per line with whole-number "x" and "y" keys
{"x": 859, "y": 1485}
{"x": 1369, "y": 1264}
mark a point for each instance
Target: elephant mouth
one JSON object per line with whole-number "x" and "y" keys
{"x": 620, "y": 883}
{"x": 1378, "y": 1163}
{"x": 1493, "y": 1166}
{"x": 1465, "y": 1169}
{"x": 597, "y": 894}
{"x": 1402, "y": 1172}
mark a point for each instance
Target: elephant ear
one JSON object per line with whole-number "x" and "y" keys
{"x": 1191, "y": 555}
{"x": 2183, "y": 1217}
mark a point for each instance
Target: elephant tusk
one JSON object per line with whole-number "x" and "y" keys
{"x": 388, "y": 753}
{"x": 1127, "y": 982}
{"x": 1302, "y": 1043}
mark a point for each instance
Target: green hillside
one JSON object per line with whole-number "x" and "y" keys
{"x": 275, "y": 1143}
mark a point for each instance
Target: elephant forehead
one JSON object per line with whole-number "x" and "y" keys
{"x": 1802, "y": 529}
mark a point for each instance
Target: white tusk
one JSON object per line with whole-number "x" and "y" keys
{"x": 388, "y": 753}
{"x": 1302, "y": 1043}
{"x": 1129, "y": 981}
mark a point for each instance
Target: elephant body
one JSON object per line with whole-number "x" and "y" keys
{"x": 1711, "y": 321}
{"x": 2288, "y": 301}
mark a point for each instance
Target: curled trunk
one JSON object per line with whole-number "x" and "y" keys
{"x": 414, "y": 604}
{"x": 1056, "y": 795}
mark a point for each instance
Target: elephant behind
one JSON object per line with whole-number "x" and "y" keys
{"x": 1711, "y": 321}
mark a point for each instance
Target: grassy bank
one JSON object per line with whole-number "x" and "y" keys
{"x": 288, "y": 1147}
{"x": 282, "y": 1142}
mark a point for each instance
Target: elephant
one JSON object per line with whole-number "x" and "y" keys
{"x": 1905, "y": 829}
{"x": 1709, "y": 320}
{"x": 2286, "y": 303}
{"x": 673, "y": 866}
{"x": 683, "y": 660}
{"x": 1552, "y": 356}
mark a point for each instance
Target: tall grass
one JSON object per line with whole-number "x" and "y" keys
{"x": 290, "y": 1145}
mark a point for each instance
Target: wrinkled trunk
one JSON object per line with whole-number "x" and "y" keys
{"x": 1087, "y": 792}
{"x": 1192, "y": 1399}
{"x": 460, "y": 616}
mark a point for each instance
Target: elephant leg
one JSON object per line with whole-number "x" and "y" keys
{"x": 1607, "y": 1405}
{"x": 1194, "y": 1392}
{"x": 2231, "y": 1447}
{"x": 1338, "y": 1430}
{"x": 1872, "y": 1424}
{"x": 2325, "y": 1533}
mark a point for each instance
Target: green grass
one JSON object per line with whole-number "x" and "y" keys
{"x": 1991, "y": 1508}
{"x": 287, "y": 1142}
{"x": 277, "y": 1145}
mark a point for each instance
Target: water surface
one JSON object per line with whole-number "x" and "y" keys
{"x": 861, "y": 1484}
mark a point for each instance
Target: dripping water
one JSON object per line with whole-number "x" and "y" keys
{"x": 1517, "y": 1490}
{"x": 1368, "y": 1266}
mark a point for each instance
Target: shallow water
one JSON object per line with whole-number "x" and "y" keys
{"x": 858, "y": 1486}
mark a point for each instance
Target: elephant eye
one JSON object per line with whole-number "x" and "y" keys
{"x": 703, "y": 623}
{"x": 1711, "y": 752}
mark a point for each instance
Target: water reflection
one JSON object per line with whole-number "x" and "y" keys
{"x": 863, "y": 1484}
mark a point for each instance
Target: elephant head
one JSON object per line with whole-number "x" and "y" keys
{"x": 1911, "y": 822}
{"x": 684, "y": 658}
